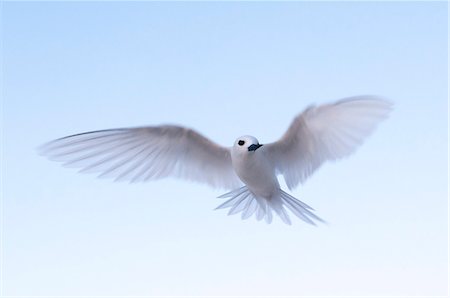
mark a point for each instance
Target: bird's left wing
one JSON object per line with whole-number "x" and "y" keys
{"x": 327, "y": 132}
{"x": 146, "y": 153}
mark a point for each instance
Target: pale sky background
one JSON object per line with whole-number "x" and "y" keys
{"x": 224, "y": 69}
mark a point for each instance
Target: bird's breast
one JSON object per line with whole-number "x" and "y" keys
{"x": 257, "y": 173}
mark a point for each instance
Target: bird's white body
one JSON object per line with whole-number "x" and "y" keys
{"x": 325, "y": 133}
{"x": 255, "y": 170}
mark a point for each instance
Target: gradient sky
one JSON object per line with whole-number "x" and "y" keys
{"x": 224, "y": 69}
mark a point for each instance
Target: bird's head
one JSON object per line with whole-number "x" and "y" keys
{"x": 246, "y": 144}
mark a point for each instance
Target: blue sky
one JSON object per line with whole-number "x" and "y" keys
{"x": 224, "y": 69}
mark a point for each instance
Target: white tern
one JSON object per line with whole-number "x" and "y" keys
{"x": 320, "y": 133}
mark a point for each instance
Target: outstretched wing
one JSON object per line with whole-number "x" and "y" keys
{"x": 146, "y": 153}
{"x": 327, "y": 132}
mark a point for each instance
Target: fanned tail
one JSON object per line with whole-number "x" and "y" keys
{"x": 244, "y": 201}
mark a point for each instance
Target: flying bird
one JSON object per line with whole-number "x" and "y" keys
{"x": 249, "y": 169}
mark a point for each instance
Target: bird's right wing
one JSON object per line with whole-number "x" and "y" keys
{"x": 147, "y": 153}
{"x": 326, "y": 132}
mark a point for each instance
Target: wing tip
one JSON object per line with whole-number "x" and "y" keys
{"x": 381, "y": 100}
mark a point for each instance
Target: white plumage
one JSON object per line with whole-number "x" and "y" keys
{"x": 326, "y": 132}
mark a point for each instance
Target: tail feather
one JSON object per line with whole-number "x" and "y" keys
{"x": 235, "y": 197}
{"x": 234, "y": 192}
{"x": 260, "y": 210}
{"x": 300, "y": 206}
{"x": 227, "y": 203}
{"x": 298, "y": 213}
{"x": 249, "y": 209}
{"x": 240, "y": 204}
{"x": 243, "y": 200}
{"x": 268, "y": 216}
{"x": 282, "y": 214}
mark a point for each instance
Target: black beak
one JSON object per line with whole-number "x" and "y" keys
{"x": 253, "y": 147}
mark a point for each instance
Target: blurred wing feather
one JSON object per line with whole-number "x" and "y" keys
{"x": 326, "y": 132}
{"x": 146, "y": 153}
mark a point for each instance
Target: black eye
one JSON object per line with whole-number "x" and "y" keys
{"x": 241, "y": 142}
